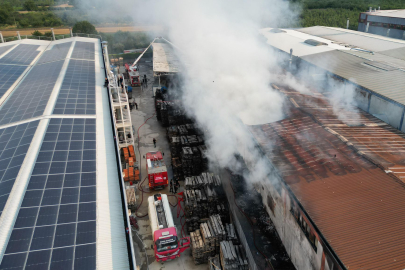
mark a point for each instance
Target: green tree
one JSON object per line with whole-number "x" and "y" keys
{"x": 84, "y": 27}
{"x": 37, "y": 33}
{"x": 30, "y": 5}
{"x": 48, "y": 34}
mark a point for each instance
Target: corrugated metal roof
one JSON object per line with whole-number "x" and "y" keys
{"x": 350, "y": 66}
{"x": 400, "y": 13}
{"x": 359, "y": 39}
{"x": 354, "y": 203}
{"x": 164, "y": 59}
{"x": 396, "y": 53}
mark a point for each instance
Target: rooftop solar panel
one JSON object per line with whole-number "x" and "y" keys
{"x": 55, "y": 226}
{"x": 23, "y": 54}
{"x": 58, "y": 52}
{"x": 30, "y": 98}
{"x": 14, "y": 144}
{"x": 83, "y": 50}
{"x": 3, "y": 49}
{"x": 77, "y": 94}
{"x": 8, "y": 75}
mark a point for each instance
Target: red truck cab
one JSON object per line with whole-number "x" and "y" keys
{"x": 157, "y": 171}
{"x": 133, "y": 75}
{"x": 167, "y": 246}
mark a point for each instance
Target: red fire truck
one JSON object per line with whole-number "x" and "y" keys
{"x": 166, "y": 243}
{"x": 133, "y": 75}
{"x": 157, "y": 171}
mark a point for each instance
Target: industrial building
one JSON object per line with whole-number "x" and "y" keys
{"x": 62, "y": 204}
{"x": 337, "y": 176}
{"x": 372, "y": 65}
{"x": 389, "y": 23}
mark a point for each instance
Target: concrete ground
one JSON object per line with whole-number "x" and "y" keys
{"x": 153, "y": 129}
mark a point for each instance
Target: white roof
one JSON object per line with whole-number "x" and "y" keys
{"x": 164, "y": 59}
{"x": 398, "y": 13}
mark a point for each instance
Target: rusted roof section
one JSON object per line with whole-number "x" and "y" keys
{"x": 334, "y": 160}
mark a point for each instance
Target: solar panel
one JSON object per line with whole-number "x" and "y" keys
{"x": 14, "y": 144}
{"x": 30, "y": 98}
{"x": 83, "y": 50}
{"x": 3, "y": 49}
{"x": 58, "y": 52}
{"x": 55, "y": 226}
{"x": 23, "y": 54}
{"x": 77, "y": 93}
{"x": 8, "y": 75}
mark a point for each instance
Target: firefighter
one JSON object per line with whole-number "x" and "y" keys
{"x": 145, "y": 80}
{"x": 121, "y": 79}
{"x": 154, "y": 142}
{"x": 171, "y": 185}
{"x": 176, "y": 186}
{"x": 106, "y": 82}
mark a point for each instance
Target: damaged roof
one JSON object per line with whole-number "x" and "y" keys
{"x": 346, "y": 168}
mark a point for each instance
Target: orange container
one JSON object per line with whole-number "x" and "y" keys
{"x": 131, "y": 150}
{"x": 137, "y": 172}
{"x": 126, "y": 175}
{"x": 126, "y": 153}
{"x": 131, "y": 174}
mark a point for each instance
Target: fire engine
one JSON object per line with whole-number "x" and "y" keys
{"x": 157, "y": 171}
{"x": 166, "y": 243}
{"x": 133, "y": 75}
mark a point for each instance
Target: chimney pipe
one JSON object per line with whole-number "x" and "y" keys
{"x": 375, "y": 10}
{"x": 18, "y": 34}
{"x": 368, "y": 24}
{"x": 53, "y": 34}
{"x": 369, "y": 10}
{"x": 2, "y": 40}
{"x": 388, "y": 32}
{"x": 379, "y": 8}
{"x": 347, "y": 25}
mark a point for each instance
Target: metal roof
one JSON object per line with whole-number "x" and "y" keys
{"x": 362, "y": 40}
{"x": 64, "y": 145}
{"x": 400, "y": 13}
{"x": 164, "y": 59}
{"x": 364, "y": 69}
{"x": 335, "y": 166}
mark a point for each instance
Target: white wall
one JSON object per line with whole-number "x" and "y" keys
{"x": 386, "y": 111}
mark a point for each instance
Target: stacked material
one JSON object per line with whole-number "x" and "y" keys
{"x": 164, "y": 114}
{"x": 187, "y": 161}
{"x": 214, "y": 263}
{"x": 196, "y": 167}
{"x": 175, "y": 146}
{"x": 131, "y": 199}
{"x": 172, "y": 131}
{"x": 204, "y": 157}
{"x": 190, "y": 129}
{"x": 130, "y": 166}
{"x": 182, "y": 130}
{"x": 157, "y": 108}
{"x": 231, "y": 234}
{"x": 232, "y": 256}
{"x": 205, "y": 179}
{"x": 191, "y": 140}
{"x": 198, "y": 248}
{"x": 177, "y": 168}
{"x": 218, "y": 230}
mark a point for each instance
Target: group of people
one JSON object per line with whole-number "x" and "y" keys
{"x": 174, "y": 185}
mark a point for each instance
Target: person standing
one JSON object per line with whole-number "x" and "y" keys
{"x": 176, "y": 186}
{"x": 121, "y": 79}
{"x": 171, "y": 185}
{"x": 154, "y": 142}
{"x": 145, "y": 80}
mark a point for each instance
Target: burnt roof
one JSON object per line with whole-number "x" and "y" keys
{"x": 337, "y": 163}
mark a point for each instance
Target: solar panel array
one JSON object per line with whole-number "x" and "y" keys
{"x": 77, "y": 94}
{"x": 30, "y": 98}
{"x": 83, "y": 50}
{"x": 8, "y": 75}
{"x": 58, "y": 52}
{"x": 56, "y": 227}
{"x": 14, "y": 144}
{"x": 23, "y": 54}
{"x": 3, "y": 49}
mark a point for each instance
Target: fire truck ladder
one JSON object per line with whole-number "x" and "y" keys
{"x": 160, "y": 213}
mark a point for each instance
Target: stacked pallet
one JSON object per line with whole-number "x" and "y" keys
{"x": 175, "y": 146}
{"x": 204, "y": 156}
{"x": 177, "y": 168}
{"x": 232, "y": 256}
{"x": 131, "y": 152}
{"x": 158, "y": 101}
{"x": 214, "y": 263}
{"x": 198, "y": 248}
{"x": 131, "y": 199}
{"x": 187, "y": 161}
{"x": 204, "y": 179}
{"x": 182, "y": 130}
{"x": 231, "y": 234}
{"x": 164, "y": 114}
{"x": 217, "y": 230}
{"x": 172, "y": 131}
{"x": 126, "y": 154}
{"x": 190, "y": 129}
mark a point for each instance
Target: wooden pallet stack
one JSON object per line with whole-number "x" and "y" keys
{"x": 232, "y": 256}
{"x": 218, "y": 230}
{"x": 198, "y": 248}
{"x": 202, "y": 180}
{"x": 231, "y": 234}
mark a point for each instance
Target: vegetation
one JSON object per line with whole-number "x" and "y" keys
{"x": 120, "y": 41}
{"x": 84, "y": 27}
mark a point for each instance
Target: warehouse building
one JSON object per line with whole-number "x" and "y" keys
{"x": 61, "y": 202}
{"x": 389, "y": 23}
{"x": 336, "y": 181}
{"x": 373, "y": 65}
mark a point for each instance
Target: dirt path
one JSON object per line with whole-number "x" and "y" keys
{"x": 63, "y": 31}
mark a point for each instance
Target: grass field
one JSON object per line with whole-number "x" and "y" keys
{"x": 65, "y": 30}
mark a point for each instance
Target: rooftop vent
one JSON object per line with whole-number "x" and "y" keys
{"x": 314, "y": 42}
{"x": 276, "y": 30}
